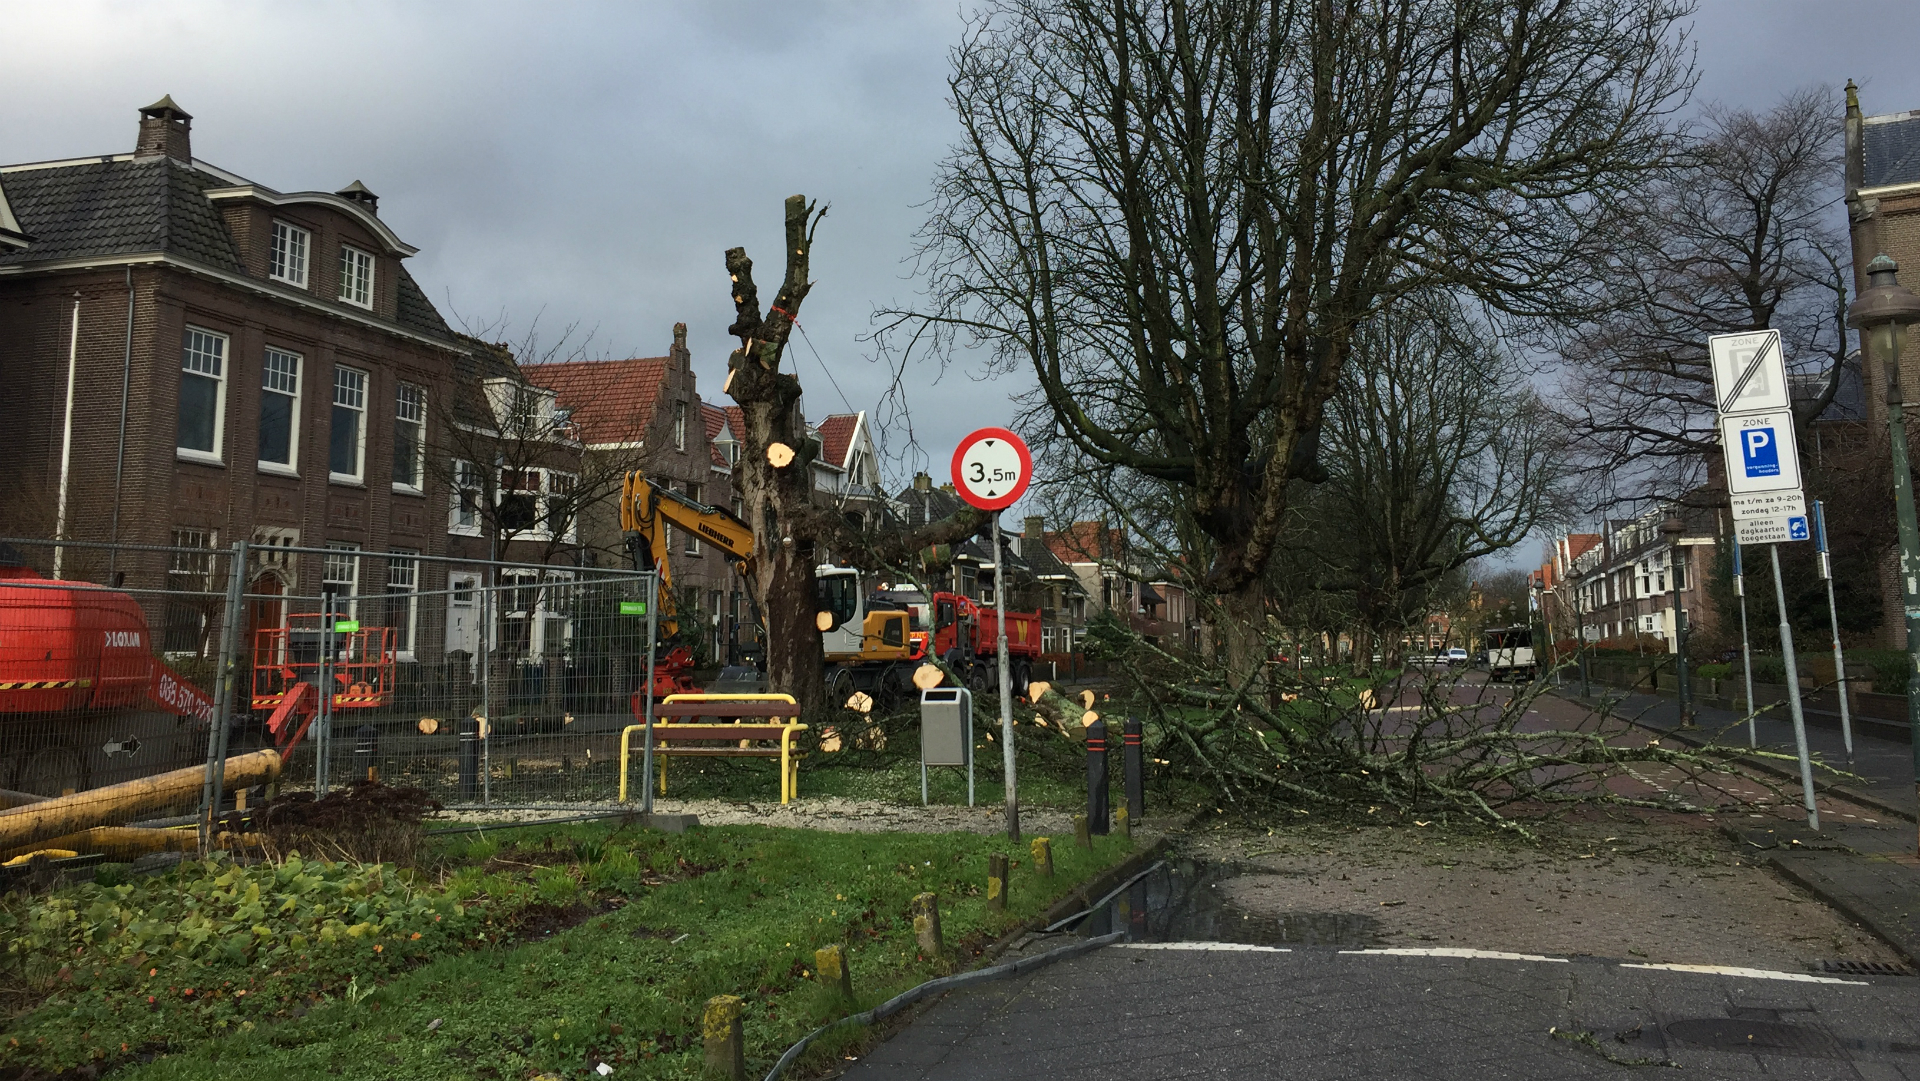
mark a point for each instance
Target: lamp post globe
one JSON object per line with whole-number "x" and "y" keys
{"x": 1881, "y": 314}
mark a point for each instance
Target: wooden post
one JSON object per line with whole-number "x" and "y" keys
{"x": 926, "y": 923}
{"x": 726, "y": 1047}
{"x": 1080, "y": 835}
{"x": 1124, "y": 821}
{"x": 1043, "y": 857}
{"x": 830, "y": 968}
{"x": 997, "y": 881}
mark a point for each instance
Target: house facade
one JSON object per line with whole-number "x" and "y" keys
{"x": 193, "y": 357}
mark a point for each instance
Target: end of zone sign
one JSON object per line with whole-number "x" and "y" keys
{"x": 992, "y": 468}
{"x": 1760, "y": 451}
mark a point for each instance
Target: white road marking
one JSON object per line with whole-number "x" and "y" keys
{"x": 1452, "y": 951}
{"x": 1751, "y": 973}
{"x": 1217, "y": 947}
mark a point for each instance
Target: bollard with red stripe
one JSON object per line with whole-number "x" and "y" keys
{"x": 1132, "y": 771}
{"x": 1097, "y": 778}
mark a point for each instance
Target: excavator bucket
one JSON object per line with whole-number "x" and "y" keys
{"x": 289, "y": 722}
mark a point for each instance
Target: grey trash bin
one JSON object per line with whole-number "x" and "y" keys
{"x": 946, "y": 733}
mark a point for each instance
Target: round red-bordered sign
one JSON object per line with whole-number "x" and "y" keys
{"x": 991, "y": 468}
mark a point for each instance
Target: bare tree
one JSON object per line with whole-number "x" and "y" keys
{"x": 1440, "y": 454}
{"x": 1742, "y": 237}
{"x": 1177, "y": 213}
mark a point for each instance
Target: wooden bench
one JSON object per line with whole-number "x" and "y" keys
{"x": 742, "y": 725}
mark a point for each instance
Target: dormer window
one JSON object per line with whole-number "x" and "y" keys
{"x": 289, "y": 259}
{"x": 356, "y": 277}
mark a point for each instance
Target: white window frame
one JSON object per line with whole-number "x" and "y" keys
{"x": 680, "y": 425}
{"x": 290, "y": 467}
{"x": 693, "y": 539}
{"x": 360, "y": 443}
{"x": 223, "y": 364}
{"x": 544, "y": 496}
{"x": 551, "y": 494}
{"x": 417, "y": 485}
{"x": 288, "y": 252}
{"x": 403, "y": 579}
{"x": 356, "y": 277}
{"x": 467, "y": 478}
{"x": 349, "y": 557}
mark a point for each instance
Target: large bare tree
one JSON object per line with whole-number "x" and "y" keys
{"x": 1743, "y": 236}
{"x": 1176, "y": 213}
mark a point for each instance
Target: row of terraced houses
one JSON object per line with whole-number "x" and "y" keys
{"x": 192, "y": 357}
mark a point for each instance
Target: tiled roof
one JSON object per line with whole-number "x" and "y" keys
{"x": 716, "y": 421}
{"x": 126, "y": 207}
{"x": 1085, "y": 542}
{"x": 737, "y": 422}
{"x": 1890, "y": 151}
{"x": 481, "y": 361}
{"x": 119, "y": 208}
{"x": 836, "y": 437}
{"x": 416, "y": 312}
{"x": 612, "y": 400}
{"x": 930, "y": 506}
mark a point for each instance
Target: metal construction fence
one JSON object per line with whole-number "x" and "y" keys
{"x": 484, "y": 682}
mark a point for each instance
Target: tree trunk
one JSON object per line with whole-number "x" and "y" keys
{"x": 1243, "y": 625}
{"x": 776, "y": 499}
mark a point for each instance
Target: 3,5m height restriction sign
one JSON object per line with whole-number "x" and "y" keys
{"x": 991, "y": 468}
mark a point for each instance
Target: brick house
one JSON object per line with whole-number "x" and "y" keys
{"x": 646, "y": 413}
{"x": 246, "y": 363}
{"x": 1883, "y": 211}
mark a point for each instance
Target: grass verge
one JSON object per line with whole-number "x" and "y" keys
{"x": 546, "y": 951}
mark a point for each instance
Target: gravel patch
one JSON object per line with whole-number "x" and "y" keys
{"x": 836, "y": 814}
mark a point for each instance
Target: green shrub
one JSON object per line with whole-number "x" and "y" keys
{"x": 1888, "y": 667}
{"x": 1715, "y": 671}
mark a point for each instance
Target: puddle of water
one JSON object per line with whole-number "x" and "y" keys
{"x": 1185, "y": 901}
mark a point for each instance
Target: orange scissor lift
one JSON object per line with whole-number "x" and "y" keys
{"x": 289, "y": 663}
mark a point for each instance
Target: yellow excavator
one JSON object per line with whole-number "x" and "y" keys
{"x": 867, "y": 650}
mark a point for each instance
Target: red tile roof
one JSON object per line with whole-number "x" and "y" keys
{"x": 836, "y": 437}
{"x": 737, "y": 423}
{"x": 716, "y": 421}
{"x": 612, "y": 400}
{"x": 1081, "y": 542}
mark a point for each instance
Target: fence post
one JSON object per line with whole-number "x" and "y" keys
{"x": 323, "y": 724}
{"x": 646, "y": 688}
{"x": 469, "y": 745}
{"x": 222, "y": 697}
{"x": 997, "y": 881}
{"x": 1134, "y": 770}
{"x": 1097, "y": 778}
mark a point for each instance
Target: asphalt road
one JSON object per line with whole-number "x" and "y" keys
{"x": 1166, "y": 1010}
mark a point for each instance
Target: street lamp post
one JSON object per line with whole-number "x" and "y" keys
{"x": 1673, "y": 527}
{"x": 1882, "y": 313}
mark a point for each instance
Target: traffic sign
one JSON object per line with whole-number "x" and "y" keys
{"x": 1752, "y": 365}
{"x": 1769, "y": 505}
{"x": 1778, "y": 529}
{"x": 1760, "y": 451}
{"x": 991, "y": 468}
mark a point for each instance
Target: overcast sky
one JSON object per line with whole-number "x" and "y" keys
{"x": 589, "y": 163}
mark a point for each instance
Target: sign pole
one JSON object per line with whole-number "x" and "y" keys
{"x": 1001, "y": 576}
{"x": 1793, "y": 694}
{"x": 1833, "y": 619}
{"x": 1746, "y": 648}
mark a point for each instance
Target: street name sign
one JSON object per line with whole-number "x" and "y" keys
{"x": 1760, "y": 451}
{"x": 1769, "y": 505}
{"x": 992, "y": 468}
{"x": 1749, "y": 372}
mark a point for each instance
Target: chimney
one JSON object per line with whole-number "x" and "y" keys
{"x": 922, "y": 482}
{"x": 680, "y": 352}
{"x": 1036, "y": 527}
{"x": 357, "y": 192}
{"x": 164, "y": 129}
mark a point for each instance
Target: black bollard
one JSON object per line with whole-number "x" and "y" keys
{"x": 1133, "y": 772}
{"x": 1097, "y": 778}
{"x": 366, "y": 749}
{"x": 469, "y": 758}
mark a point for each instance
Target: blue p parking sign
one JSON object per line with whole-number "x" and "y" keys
{"x": 1760, "y": 452}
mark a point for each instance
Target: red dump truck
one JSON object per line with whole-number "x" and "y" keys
{"x": 83, "y": 699}
{"x": 961, "y": 631}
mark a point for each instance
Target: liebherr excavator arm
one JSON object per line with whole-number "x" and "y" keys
{"x": 646, "y": 509}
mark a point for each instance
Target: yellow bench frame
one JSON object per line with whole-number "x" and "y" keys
{"x": 789, "y": 758}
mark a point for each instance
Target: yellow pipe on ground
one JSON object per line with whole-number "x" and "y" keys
{"x": 35, "y": 823}
{"x": 121, "y": 844}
